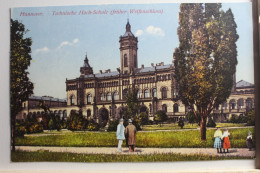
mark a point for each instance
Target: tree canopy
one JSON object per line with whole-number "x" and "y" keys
{"x": 205, "y": 61}
{"x": 20, "y": 56}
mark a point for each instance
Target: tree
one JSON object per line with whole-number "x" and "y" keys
{"x": 250, "y": 118}
{"x": 142, "y": 118}
{"x": 191, "y": 117}
{"x": 206, "y": 58}
{"x": 132, "y": 104}
{"x": 20, "y": 86}
{"x": 160, "y": 117}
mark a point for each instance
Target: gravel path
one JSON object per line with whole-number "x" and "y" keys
{"x": 241, "y": 152}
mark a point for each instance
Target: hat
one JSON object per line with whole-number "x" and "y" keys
{"x": 218, "y": 126}
{"x": 129, "y": 120}
{"x": 121, "y": 120}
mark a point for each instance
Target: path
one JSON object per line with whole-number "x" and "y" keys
{"x": 241, "y": 152}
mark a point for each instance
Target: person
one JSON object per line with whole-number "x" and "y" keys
{"x": 130, "y": 132}
{"x": 226, "y": 142}
{"x": 249, "y": 141}
{"x": 120, "y": 135}
{"x": 217, "y": 142}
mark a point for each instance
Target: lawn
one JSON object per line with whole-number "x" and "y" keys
{"x": 20, "y": 156}
{"x": 163, "y": 139}
{"x": 174, "y": 126}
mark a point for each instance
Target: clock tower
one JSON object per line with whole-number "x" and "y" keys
{"x": 128, "y": 51}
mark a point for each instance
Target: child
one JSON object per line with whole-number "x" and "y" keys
{"x": 249, "y": 141}
{"x": 226, "y": 142}
{"x": 217, "y": 142}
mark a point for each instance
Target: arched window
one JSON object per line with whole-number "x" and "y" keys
{"x": 224, "y": 105}
{"x": 232, "y": 104}
{"x": 108, "y": 96}
{"x": 175, "y": 108}
{"x": 89, "y": 98}
{"x": 154, "y": 92}
{"x": 72, "y": 100}
{"x": 164, "y": 108}
{"x": 249, "y": 103}
{"x": 116, "y": 95}
{"x": 139, "y": 94}
{"x": 88, "y": 113}
{"x": 124, "y": 93}
{"x": 125, "y": 60}
{"x": 164, "y": 93}
{"x": 101, "y": 97}
{"x": 240, "y": 103}
{"x": 146, "y": 93}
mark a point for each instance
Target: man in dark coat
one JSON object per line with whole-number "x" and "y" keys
{"x": 130, "y": 132}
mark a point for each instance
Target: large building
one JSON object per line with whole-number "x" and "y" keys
{"x": 102, "y": 96}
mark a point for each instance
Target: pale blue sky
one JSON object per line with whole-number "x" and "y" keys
{"x": 60, "y": 42}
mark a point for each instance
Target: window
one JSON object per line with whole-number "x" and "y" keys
{"x": 164, "y": 108}
{"x": 124, "y": 93}
{"x": 88, "y": 113}
{"x": 164, "y": 93}
{"x": 175, "y": 108}
{"x": 240, "y": 103}
{"x": 116, "y": 95}
{"x": 154, "y": 92}
{"x": 232, "y": 104}
{"x": 146, "y": 93}
{"x": 125, "y": 61}
{"x": 89, "y": 98}
{"x": 101, "y": 97}
{"x": 72, "y": 100}
{"x": 249, "y": 103}
{"x": 224, "y": 105}
{"x": 108, "y": 96}
{"x": 139, "y": 94}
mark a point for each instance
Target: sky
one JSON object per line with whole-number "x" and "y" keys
{"x": 61, "y": 42}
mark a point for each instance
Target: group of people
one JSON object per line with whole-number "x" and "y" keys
{"x": 127, "y": 133}
{"x": 222, "y": 140}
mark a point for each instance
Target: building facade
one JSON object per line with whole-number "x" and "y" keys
{"x": 102, "y": 96}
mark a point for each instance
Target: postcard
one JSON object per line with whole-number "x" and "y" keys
{"x": 132, "y": 83}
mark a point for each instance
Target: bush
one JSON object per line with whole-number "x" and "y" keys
{"x": 181, "y": 123}
{"x": 112, "y": 125}
{"x": 20, "y": 129}
{"x": 93, "y": 126}
{"x": 250, "y": 118}
{"x": 35, "y": 128}
{"x": 160, "y": 117}
{"x": 171, "y": 120}
{"x": 142, "y": 118}
{"x": 211, "y": 123}
{"x": 77, "y": 122}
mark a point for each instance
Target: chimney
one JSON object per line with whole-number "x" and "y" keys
{"x": 152, "y": 65}
{"x": 142, "y": 66}
{"x": 100, "y": 71}
{"x": 107, "y": 71}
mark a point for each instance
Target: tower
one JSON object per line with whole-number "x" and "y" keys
{"x": 128, "y": 51}
{"x": 86, "y": 69}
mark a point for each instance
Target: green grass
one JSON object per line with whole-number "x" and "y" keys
{"x": 174, "y": 126}
{"x": 20, "y": 156}
{"x": 163, "y": 139}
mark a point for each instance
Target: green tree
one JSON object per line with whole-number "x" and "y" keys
{"x": 20, "y": 86}
{"x": 191, "y": 117}
{"x": 160, "y": 117}
{"x": 142, "y": 118}
{"x": 250, "y": 118}
{"x": 132, "y": 104}
{"x": 206, "y": 58}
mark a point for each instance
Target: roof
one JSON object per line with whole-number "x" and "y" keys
{"x": 128, "y": 34}
{"x": 243, "y": 83}
{"x": 45, "y": 98}
{"x": 138, "y": 71}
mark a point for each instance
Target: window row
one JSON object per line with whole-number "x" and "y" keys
{"x": 144, "y": 80}
{"x": 175, "y": 108}
{"x": 164, "y": 77}
{"x": 108, "y": 84}
{"x": 239, "y": 104}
